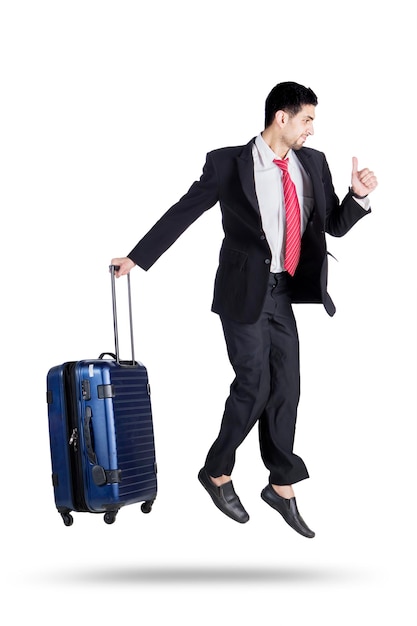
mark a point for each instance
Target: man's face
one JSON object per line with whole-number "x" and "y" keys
{"x": 299, "y": 127}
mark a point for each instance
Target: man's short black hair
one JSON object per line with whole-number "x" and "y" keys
{"x": 289, "y": 97}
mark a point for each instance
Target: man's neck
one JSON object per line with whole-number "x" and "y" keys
{"x": 275, "y": 143}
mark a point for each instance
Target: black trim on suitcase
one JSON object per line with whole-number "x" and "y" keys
{"x": 105, "y": 391}
{"x": 75, "y": 454}
{"x": 105, "y": 477}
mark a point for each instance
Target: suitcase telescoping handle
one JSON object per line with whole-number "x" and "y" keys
{"x": 114, "y": 268}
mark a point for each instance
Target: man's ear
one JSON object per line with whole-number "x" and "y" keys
{"x": 281, "y": 118}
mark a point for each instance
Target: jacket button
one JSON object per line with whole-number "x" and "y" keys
{"x": 262, "y": 237}
{"x": 267, "y": 261}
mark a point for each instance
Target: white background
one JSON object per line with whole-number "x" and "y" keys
{"x": 107, "y": 112}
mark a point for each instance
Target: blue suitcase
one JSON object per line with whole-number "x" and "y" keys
{"x": 101, "y": 432}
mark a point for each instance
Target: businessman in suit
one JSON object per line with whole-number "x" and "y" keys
{"x": 277, "y": 202}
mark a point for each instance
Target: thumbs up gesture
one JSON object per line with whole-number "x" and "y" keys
{"x": 363, "y": 181}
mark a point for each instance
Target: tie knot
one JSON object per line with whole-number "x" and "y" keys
{"x": 282, "y": 164}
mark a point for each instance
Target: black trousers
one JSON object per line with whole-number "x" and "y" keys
{"x": 265, "y": 359}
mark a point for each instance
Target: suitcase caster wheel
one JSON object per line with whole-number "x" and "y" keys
{"x": 146, "y": 507}
{"x": 67, "y": 518}
{"x": 110, "y": 517}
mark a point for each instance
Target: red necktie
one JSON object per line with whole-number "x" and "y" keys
{"x": 292, "y": 215}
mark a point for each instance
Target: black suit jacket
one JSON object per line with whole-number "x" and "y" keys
{"x": 245, "y": 256}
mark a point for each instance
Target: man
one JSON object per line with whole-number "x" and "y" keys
{"x": 277, "y": 201}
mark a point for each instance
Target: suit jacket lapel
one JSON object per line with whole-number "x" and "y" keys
{"x": 310, "y": 166}
{"x": 247, "y": 177}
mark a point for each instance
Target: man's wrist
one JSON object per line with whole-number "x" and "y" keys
{"x": 355, "y": 195}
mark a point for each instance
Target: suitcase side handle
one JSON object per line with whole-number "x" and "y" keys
{"x": 114, "y": 268}
{"x": 88, "y": 436}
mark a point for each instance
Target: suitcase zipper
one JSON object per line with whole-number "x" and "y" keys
{"x": 75, "y": 453}
{"x": 74, "y": 439}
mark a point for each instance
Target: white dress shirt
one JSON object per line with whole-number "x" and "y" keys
{"x": 270, "y": 194}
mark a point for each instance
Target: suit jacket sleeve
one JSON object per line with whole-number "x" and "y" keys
{"x": 201, "y": 196}
{"x": 340, "y": 217}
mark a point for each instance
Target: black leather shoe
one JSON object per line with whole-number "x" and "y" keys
{"x": 288, "y": 509}
{"x": 224, "y": 498}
